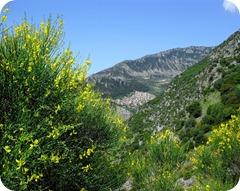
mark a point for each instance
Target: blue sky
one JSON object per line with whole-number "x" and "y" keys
{"x": 110, "y": 31}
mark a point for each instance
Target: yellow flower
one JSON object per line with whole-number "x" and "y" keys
{"x": 80, "y": 108}
{"x": 208, "y": 188}
{"x": 55, "y": 158}
{"x": 81, "y": 157}
{"x": 36, "y": 177}
{"x": 54, "y": 134}
{"x": 88, "y": 62}
{"x": 47, "y": 93}
{"x": 25, "y": 170}
{"x": 53, "y": 66}
{"x": 88, "y": 152}
{"x": 43, "y": 157}
{"x": 29, "y": 68}
{"x": 34, "y": 144}
{"x": 7, "y": 149}
{"x": 87, "y": 168}
{"x": 36, "y": 141}
{"x": 58, "y": 108}
{"x": 4, "y": 18}
{"x": 20, "y": 163}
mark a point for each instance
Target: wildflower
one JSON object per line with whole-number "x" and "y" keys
{"x": 47, "y": 93}
{"x": 34, "y": 144}
{"x": 36, "y": 177}
{"x": 87, "y": 168}
{"x": 208, "y": 187}
{"x": 25, "y": 170}
{"x": 7, "y": 149}
{"x": 58, "y": 108}
{"x": 4, "y": 18}
{"x": 89, "y": 151}
{"x": 20, "y": 163}
{"x": 29, "y": 69}
{"x": 43, "y": 157}
{"x": 55, "y": 158}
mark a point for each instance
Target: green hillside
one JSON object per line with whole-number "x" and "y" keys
{"x": 212, "y": 83}
{"x": 188, "y": 137}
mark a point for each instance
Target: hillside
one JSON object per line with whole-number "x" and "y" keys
{"x": 188, "y": 137}
{"x": 148, "y": 74}
{"x": 212, "y": 86}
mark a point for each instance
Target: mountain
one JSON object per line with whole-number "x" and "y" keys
{"x": 197, "y": 99}
{"x": 148, "y": 74}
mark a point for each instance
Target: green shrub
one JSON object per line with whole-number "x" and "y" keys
{"x": 165, "y": 147}
{"x": 195, "y": 109}
{"x": 190, "y": 123}
{"x": 219, "y": 158}
{"x": 155, "y": 167}
{"x": 56, "y": 133}
{"x": 217, "y": 113}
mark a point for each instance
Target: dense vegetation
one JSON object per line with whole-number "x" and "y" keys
{"x": 198, "y": 107}
{"x": 165, "y": 162}
{"x": 226, "y": 96}
{"x": 56, "y": 133}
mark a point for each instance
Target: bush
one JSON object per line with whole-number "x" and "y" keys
{"x": 219, "y": 158}
{"x": 190, "y": 123}
{"x": 56, "y": 133}
{"x": 195, "y": 109}
{"x": 165, "y": 147}
{"x": 156, "y": 166}
{"x": 217, "y": 113}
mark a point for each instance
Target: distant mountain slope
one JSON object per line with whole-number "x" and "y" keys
{"x": 213, "y": 85}
{"x": 147, "y": 74}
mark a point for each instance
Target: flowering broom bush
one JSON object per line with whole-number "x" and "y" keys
{"x": 220, "y": 157}
{"x": 157, "y": 165}
{"x": 56, "y": 133}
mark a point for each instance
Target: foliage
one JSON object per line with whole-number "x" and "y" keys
{"x": 219, "y": 158}
{"x": 56, "y": 133}
{"x": 194, "y": 109}
{"x": 229, "y": 87}
{"x": 155, "y": 166}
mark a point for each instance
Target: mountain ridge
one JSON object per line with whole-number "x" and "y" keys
{"x": 149, "y": 73}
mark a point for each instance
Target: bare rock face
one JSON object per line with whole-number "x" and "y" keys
{"x": 148, "y": 74}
